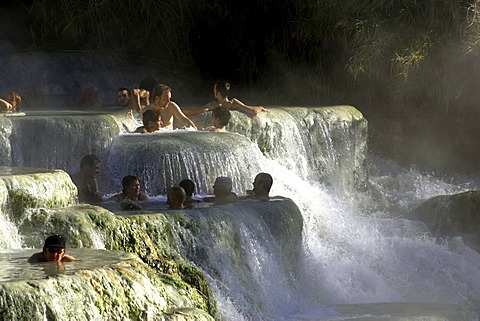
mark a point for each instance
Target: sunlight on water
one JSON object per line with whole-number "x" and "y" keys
{"x": 14, "y": 265}
{"x": 354, "y": 256}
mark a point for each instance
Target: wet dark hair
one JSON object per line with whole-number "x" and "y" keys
{"x": 178, "y": 193}
{"x": 222, "y": 114}
{"x": 266, "y": 180}
{"x": 223, "y": 87}
{"x": 188, "y": 186}
{"x": 123, "y": 89}
{"x": 89, "y": 160}
{"x": 127, "y": 180}
{"x": 148, "y": 116}
{"x": 160, "y": 89}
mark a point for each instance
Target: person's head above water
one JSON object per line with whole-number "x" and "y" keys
{"x": 222, "y": 186}
{"x": 188, "y": 185}
{"x": 262, "y": 185}
{"x": 176, "y": 197}
{"x": 152, "y": 120}
{"x": 54, "y": 248}
{"x": 90, "y": 165}
{"x": 131, "y": 186}
{"x": 53, "y": 251}
{"x": 123, "y": 96}
{"x": 221, "y": 116}
{"x": 162, "y": 94}
{"x": 221, "y": 89}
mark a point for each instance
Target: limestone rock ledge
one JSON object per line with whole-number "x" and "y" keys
{"x": 129, "y": 290}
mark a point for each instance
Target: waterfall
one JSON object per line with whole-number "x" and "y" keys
{"x": 332, "y": 246}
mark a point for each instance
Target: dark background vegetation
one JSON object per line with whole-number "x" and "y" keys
{"x": 410, "y": 66}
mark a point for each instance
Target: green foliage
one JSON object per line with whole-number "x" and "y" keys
{"x": 404, "y": 48}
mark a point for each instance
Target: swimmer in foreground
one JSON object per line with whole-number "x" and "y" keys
{"x": 53, "y": 251}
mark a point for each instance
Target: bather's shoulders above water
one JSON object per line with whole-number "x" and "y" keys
{"x": 39, "y": 258}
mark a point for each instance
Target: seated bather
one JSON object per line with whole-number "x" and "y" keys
{"x": 130, "y": 194}
{"x": 86, "y": 181}
{"x": 222, "y": 189}
{"x": 133, "y": 100}
{"x": 168, "y": 109}
{"x": 221, "y": 90}
{"x": 12, "y": 103}
{"x": 89, "y": 98}
{"x": 189, "y": 187}
{"x": 176, "y": 197}
{"x": 53, "y": 251}
{"x": 152, "y": 121}
{"x": 261, "y": 187}
{"x": 220, "y": 118}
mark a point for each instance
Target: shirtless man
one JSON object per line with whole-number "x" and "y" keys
{"x": 261, "y": 187}
{"x": 133, "y": 100}
{"x": 167, "y": 108}
{"x": 222, "y": 188}
{"x": 86, "y": 180}
{"x": 53, "y": 251}
{"x": 130, "y": 194}
{"x": 221, "y": 90}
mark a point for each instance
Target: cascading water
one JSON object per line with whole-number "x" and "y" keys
{"x": 344, "y": 253}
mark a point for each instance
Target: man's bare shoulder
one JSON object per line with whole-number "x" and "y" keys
{"x": 172, "y": 105}
{"x": 36, "y": 258}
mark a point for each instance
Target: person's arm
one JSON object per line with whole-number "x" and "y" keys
{"x": 192, "y": 111}
{"x": 249, "y": 110}
{"x": 177, "y": 112}
{"x": 5, "y": 104}
{"x": 68, "y": 258}
{"x": 115, "y": 198}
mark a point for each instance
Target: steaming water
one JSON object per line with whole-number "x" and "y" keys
{"x": 355, "y": 251}
{"x": 356, "y": 247}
